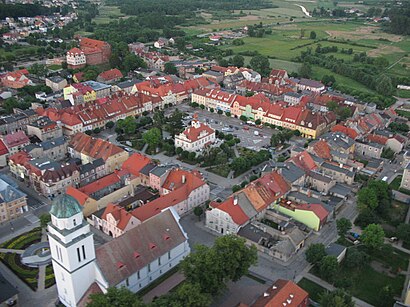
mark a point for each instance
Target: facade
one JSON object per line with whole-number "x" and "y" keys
{"x": 13, "y": 202}
{"x": 45, "y": 129}
{"x": 196, "y": 137}
{"x": 17, "y": 121}
{"x": 55, "y": 149}
{"x": 56, "y": 83}
{"x": 110, "y": 76}
{"x": 75, "y": 58}
{"x": 369, "y": 149}
{"x": 16, "y": 79}
{"x": 82, "y": 269}
{"x": 310, "y": 85}
{"x": 4, "y": 153}
{"x": 96, "y": 52}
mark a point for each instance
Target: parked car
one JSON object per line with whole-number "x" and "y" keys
{"x": 245, "y": 127}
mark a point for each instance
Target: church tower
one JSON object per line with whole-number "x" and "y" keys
{"x": 72, "y": 250}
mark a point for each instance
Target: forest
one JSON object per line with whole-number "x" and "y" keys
{"x": 26, "y": 10}
{"x": 400, "y": 19}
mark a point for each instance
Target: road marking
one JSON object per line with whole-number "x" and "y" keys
{"x": 32, "y": 218}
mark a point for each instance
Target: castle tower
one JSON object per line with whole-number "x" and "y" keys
{"x": 72, "y": 250}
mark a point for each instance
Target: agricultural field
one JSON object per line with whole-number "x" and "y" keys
{"x": 107, "y": 14}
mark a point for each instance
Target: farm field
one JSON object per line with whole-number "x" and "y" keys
{"x": 107, "y": 14}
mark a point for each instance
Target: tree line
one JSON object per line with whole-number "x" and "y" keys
{"x": 25, "y": 10}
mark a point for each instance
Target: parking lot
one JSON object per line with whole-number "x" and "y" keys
{"x": 251, "y": 137}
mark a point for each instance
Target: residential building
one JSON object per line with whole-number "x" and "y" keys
{"x": 283, "y": 293}
{"x": 336, "y": 250}
{"x": 79, "y": 93}
{"x": 92, "y": 171}
{"x": 17, "y": 121}
{"x": 313, "y": 216}
{"x": 110, "y": 76}
{"x": 55, "y": 149}
{"x": 56, "y": 83}
{"x": 96, "y": 52}
{"x": 250, "y": 75}
{"x": 101, "y": 90}
{"x": 293, "y": 98}
{"x": 45, "y": 129}
{"x": 195, "y": 138}
{"x": 13, "y": 202}
{"x": 405, "y": 181}
{"x": 339, "y": 172}
{"x": 213, "y": 99}
{"x": 368, "y": 149}
{"x": 114, "y": 220}
{"x": 4, "y": 153}
{"x": 310, "y": 85}
{"x": 123, "y": 262}
{"x": 88, "y": 149}
{"x": 16, "y": 141}
{"x": 15, "y": 79}
{"x": 213, "y": 76}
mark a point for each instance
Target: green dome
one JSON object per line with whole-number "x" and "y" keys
{"x": 65, "y": 206}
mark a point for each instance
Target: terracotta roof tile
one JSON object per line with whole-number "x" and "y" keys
{"x": 234, "y": 211}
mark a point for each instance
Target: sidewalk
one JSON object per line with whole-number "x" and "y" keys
{"x": 164, "y": 287}
{"x": 41, "y": 281}
{"x": 14, "y": 251}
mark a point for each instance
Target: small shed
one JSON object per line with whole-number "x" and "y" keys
{"x": 337, "y": 250}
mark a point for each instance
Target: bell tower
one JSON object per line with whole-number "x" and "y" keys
{"x": 72, "y": 250}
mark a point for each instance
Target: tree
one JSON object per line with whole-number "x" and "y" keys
{"x": 158, "y": 119}
{"x": 178, "y": 150}
{"x": 186, "y": 295}
{"x": 236, "y": 188}
{"x": 198, "y": 211}
{"x": 228, "y": 114}
{"x": 96, "y": 130}
{"x": 45, "y": 218}
{"x": 258, "y": 122}
{"x": 170, "y": 69}
{"x": 403, "y": 232}
{"x": 384, "y": 85}
{"x": 131, "y": 62}
{"x": 336, "y": 298}
{"x": 121, "y": 297}
{"x": 343, "y": 226}
{"x": 373, "y": 236}
{"x": 328, "y": 267}
{"x": 220, "y": 112}
{"x": 305, "y": 70}
{"x": 312, "y": 35}
{"x": 212, "y": 267}
{"x": 386, "y": 296}
{"x": 260, "y": 63}
{"x": 109, "y": 124}
{"x": 238, "y": 60}
{"x": 366, "y": 198}
{"x": 355, "y": 258}
{"x": 315, "y": 253}
{"x": 152, "y": 137}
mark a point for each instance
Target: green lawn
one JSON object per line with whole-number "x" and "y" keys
{"x": 108, "y": 14}
{"x": 403, "y": 94}
{"x": 395, "y": 184}
{"x": 404, "y": 113}
{"x": 312, "y": 288}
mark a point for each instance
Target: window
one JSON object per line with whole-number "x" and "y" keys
{"x": 127, "y": 282}
{"x": 58, "y": 255}
{"x": 75, "y": 222}
{"x": 169, "y": 254}
{"x": 149, "y": 267}
{"x": 138, "y": 275}
{"x": 159, "y": 260}
{"x": 78, "y": 254}
{"x": 83, "y": 252}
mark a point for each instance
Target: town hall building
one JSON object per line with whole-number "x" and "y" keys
{"x": 133, "y": 260}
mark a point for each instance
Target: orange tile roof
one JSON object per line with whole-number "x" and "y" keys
{"x": 346, "y": 130}
{"x": 135, "y": 163}
{"x": 317, "y": 209}
{"x": 283, "y": 293}
{"x": 91, "y": 43}
{"x": 75, "y": 50}
{"x": 192, "y": 133}
{"x": 3, "y": 148}
{"x": 121, "y": 216}
{"x": 100, "y": 184}
{"x": 175, "y": 177}
{"x": 111, "y": 74}
{"x": 78, "y": 195}
{"x": 304, "y": 161}
{"x": 322, "y": 149}
{"x": 379, "y": 139}
{"x": 234, "y": 211}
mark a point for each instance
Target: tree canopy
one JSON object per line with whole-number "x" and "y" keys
{"x": 373, "y": 236}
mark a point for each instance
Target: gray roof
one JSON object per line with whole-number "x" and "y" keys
{"x": 253, "y": 233}
{"x": 310, "y": 83}
{"x": 49, "y": 144}
{"x": 246, "y": 205}
{"x": 300, "y": 197}
{"x": 336, "y": 168}
{"x": 374, "y": 163}
{"x": 65, "y": 206}
{"x": 336, "y": 153}
{"x": 296, "y": 236}
{"x": 128, "y": 83}
{"x": 7, "y": 290}
{"x": 161, "y": 170}
{"x": 335, "y": 249}
{"x": 320, "y": 177}
{"x": 338, "y": 140}
{"x": 340, "y": 189}
{"x": 97, "y": 86}
{"x": 91, "y": 165}
{"x": 9, "y": 193}
{"x": 156, "y": 236}
{"x": 294, "y": 94}
{"x": 291, "y": 172}
{"x": 56, "y": 79}
{"x": 147, "y": 168}
{"x": 214, "y": 73}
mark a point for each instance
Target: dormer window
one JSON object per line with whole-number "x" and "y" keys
{"x": 152, "y": 246}
{"x": 136, "y": 255}
{"x": 120, "y": 265}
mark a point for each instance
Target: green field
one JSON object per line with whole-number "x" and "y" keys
{"x": 107, "y": 14}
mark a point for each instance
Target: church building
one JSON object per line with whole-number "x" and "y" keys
{"x": 132, "y": 260}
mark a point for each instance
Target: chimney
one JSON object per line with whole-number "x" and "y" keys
{"x": 341, "y": 165}
{"x": 183, "y": 179}
{"x": 235, "y": 200}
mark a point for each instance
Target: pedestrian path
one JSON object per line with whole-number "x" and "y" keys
{"x": 41, "y": 281}
{"x": 9, "y": 250}
{"x": 164, "y": 287}
{"x": 324, "y": 284}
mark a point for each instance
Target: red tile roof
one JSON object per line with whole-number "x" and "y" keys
{"x": 15, "y": 139}
{"x": 283, "y": 293}
{"x": 234, "y": 211}
{"x": 100, "y": 184}
{"x": 322, "y": 149}
{"x": 75, "y": 50}
{"x": 135, "y": 163}
{"x": 318, "y": 209}
{"x": 176, "y": 177}
{"x": 111, "y": 74}
{"x": 91, "y": 43}
{"x": 121, "y": 216}
{"x": 346, "y": 130}
{"x": 3, "y": 149}
{"x": 193, "y": 133}
{"x": 304, "y": 161}
{"x": 78, "y": 195}
{"x": 379, "y": 139}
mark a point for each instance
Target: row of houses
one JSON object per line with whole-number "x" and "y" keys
{"x": 258, "y": 107}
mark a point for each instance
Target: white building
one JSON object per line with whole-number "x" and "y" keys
{"x": 196, "y": 137}
{"x": 251, "y": 75}
{"x": 133, "y": 260}
{"x": 75, "y": 58}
